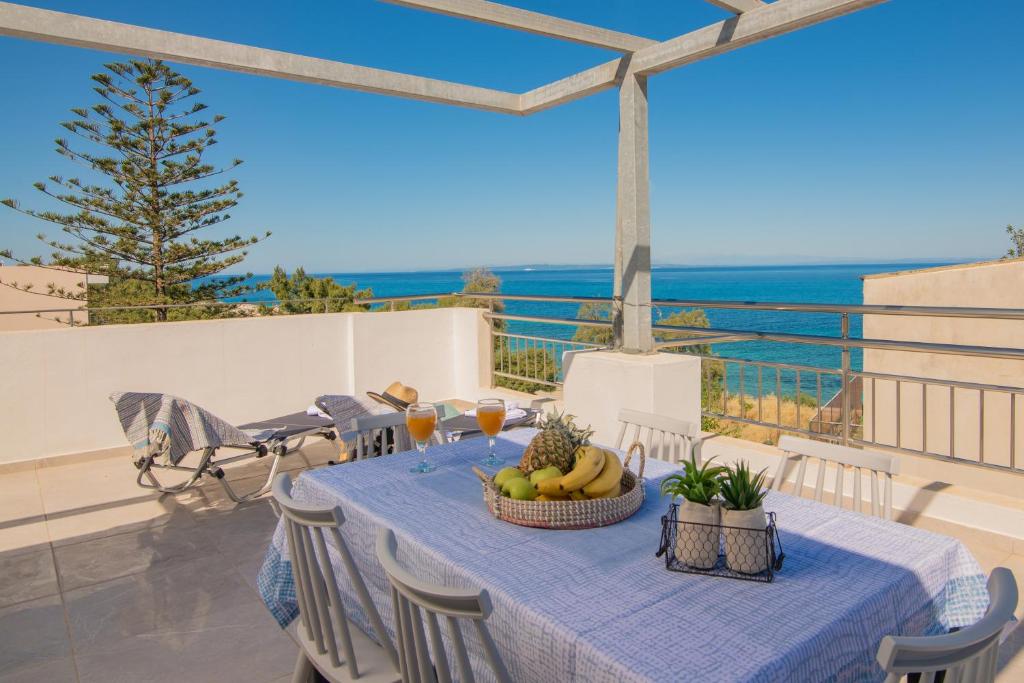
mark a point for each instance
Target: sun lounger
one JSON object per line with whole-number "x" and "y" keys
{"x": 164, "y": 429}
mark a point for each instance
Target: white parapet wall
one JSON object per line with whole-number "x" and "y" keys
{"x": 598, "y": 384}
{"x": 54, "y": 384}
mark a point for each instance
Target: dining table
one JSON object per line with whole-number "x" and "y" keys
{"x": 598, "y": 605}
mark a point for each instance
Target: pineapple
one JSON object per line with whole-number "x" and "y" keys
{"x": 555, "y": 444}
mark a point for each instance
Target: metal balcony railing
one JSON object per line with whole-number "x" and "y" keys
{"x": 957, "y": 421}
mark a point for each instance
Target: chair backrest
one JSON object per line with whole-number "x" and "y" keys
{"x": 664, "y": 438}
{"x": 416, "y": 602}
{"x": 321, "y": 609}
{"x": 383, "y": 434}
{"x": 966, "y": 656}
{"x": 380, "y": 434}
{"x": 875, "y": 464}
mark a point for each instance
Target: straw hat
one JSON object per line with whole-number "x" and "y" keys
{"x": 397, "y": 396}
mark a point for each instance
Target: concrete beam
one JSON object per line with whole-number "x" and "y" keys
{"x": 532, "y": 22}
{"x": 594, "y": 80}
{"x": 764, "y": 22}
{"x": 737, "y": 6}
{"x": 777, "y": 18}
{"x": 633, "y": 216}
{"x": 71, "y": 29}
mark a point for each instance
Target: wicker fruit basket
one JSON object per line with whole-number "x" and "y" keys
{"x": 573, "y": 514}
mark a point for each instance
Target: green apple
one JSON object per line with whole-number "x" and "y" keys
{"x": 521, "y": 489}
{"x": 550, "y": 472}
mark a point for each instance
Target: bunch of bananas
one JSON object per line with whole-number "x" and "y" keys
{"x": 597, "y": 474}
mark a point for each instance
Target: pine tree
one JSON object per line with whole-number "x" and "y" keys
{"x": 139, "y": 224}
{"x": 1017, "y": 240}
{"x": 300, "y": 293}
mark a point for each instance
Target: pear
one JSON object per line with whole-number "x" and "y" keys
{"x": 505, "y": 475}
{"x": 549, "y": 472}
{"x": 521, "y": 489}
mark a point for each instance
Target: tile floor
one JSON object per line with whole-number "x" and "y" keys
{"x": 102, "y": 581}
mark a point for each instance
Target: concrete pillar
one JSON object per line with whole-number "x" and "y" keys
{"x": 598, "y": 384}
{"x": 632, "y": 289}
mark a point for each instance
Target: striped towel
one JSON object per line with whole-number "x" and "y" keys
{"x": 342, "y": 408}
{"x": 164, "y": 425}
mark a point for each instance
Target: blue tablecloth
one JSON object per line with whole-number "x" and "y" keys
{"x": 597, "y": 605}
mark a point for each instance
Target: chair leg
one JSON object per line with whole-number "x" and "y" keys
{"x": 303, "y": 669}
{"x": 258, "y": 492}
{"x": 146, "y": 472}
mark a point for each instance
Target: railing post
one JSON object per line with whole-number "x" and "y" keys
{"x": 491, "y": 339}
{"x": 845, "y": 410}
{"x": 71, "y": 317}
{"x": 617, "y": 322}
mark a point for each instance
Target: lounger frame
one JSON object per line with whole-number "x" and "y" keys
{"x": 209, "y": 464}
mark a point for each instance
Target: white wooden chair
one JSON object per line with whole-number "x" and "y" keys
{"x": 380, "y": 435}
{"x": 416, "y": 602}
{"x": 875, "y": 464}
{"x": 966, "y": 656}
{"x": 321, "y": 610}
{"x": 383, "y": 434}
{"x": 664, "y": 438}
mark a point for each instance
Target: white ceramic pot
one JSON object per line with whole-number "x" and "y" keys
{"x": 697, "y": 534}
{"x": 745, "y": 547}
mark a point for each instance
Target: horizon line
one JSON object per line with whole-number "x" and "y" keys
{"x": 609, "y": 266}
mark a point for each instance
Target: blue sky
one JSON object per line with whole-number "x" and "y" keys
{"x": 893, "y": 133}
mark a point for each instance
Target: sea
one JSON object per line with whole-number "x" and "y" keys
{"x": 831, "y": 284}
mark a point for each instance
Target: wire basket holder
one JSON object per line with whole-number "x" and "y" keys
{"x": 747, "y": 554}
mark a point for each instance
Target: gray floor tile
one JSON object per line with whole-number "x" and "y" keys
{"x": 111, "y": 557}
{"x": 53, "y": 671}
{"x": 32, "y": 635}
{"x": 248, "y": 566}
{"x": 22, "y": 522}
{"x": 240, "y": 532}
{"x": 27, "y": 576}
{"x": 191, "y": 621}
{"x": 145, "y": 511}
{"x": 235, "y": 658}
{"x": 179, "y": 605}
{"x": 211, "y": 499}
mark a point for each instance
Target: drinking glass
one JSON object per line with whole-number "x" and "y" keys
{"x": 421, "y": 421}
{"x": 490, "y": 415}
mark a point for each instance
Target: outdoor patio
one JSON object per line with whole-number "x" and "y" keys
{"x": 100, "y": 581}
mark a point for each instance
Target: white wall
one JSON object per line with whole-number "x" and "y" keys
{"x": 54, "y": 384}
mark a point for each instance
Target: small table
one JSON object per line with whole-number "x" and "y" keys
{"x": 597, "y": 605}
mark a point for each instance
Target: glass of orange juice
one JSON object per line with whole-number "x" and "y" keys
{"x": 490, "y": 415}
{"x": 421, "y": 421}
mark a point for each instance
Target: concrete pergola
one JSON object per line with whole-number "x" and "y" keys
{"x": 753, "y": 21}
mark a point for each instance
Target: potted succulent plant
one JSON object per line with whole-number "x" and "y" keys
{"x": 743, "y": 519}
{"x": 699, "y": 515}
